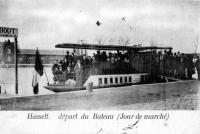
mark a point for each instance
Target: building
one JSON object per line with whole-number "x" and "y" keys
{"x": 27, "y": 56}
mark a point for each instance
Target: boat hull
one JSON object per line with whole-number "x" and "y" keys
{"x": 68, "y": 88}
{"x": 63, "y": 88}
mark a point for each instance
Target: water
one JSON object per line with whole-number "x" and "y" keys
{"x": 25, "y": 75}
{"x": 7, "y": 80}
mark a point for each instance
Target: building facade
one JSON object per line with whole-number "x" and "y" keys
{"x": 27, "y": 56}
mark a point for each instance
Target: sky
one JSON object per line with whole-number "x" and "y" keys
{"x": 45, "y": 23}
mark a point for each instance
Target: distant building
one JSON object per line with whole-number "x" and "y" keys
{"x": 27, "y": 56}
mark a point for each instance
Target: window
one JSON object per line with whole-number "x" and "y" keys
{"x": 105, "y": 81}
{"x": 130, "y": 79}
{"x": 120, "y": 79}
{"x": 100, "y": 81}
{"x": 116, "y": 80}
{"x": 125, "y": 79}
{"x": 111, "y": 80}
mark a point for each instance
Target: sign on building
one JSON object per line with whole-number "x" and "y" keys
{"x": 8, "y": 32}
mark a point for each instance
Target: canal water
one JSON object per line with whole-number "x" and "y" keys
{"x": 7, "y": 80}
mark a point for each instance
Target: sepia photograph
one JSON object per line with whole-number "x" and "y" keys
{"x": 99, "y": 55}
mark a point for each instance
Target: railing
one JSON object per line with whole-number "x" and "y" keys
{"x": 106, "y": 80}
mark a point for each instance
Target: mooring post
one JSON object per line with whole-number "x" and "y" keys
{"x": 16, "y": 66}
{"x": 89, "y": 87}
{"x": 162, "y": 92}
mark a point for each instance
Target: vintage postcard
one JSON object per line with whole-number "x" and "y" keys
{"x": 99, "y": 66}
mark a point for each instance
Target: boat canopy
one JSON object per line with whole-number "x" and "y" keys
{"x": 107, "y": 47}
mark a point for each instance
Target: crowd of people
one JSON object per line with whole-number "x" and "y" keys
{"x": 166, "y": 63}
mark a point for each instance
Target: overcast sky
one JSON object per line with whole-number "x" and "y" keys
{"x": 44, "y": 23}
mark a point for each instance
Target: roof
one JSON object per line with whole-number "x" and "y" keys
{"x": 106, "y": 47}
{"x": 42, "y": 52}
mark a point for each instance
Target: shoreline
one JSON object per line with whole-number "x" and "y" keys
{"x": 21, "y": 65}
{"x": 176, "y": 93}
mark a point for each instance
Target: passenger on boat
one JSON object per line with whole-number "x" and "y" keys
{"x": 66, "y": 60}
{"x": 71, "y": 66}
{"x": 164, "y": 63}
{"x": 55, "y": 67}
{"x": 156, "y": 63}
{"x": 72, "y": 57}
{"x": 190, "y": 66}
{"x": 78, "y": 73}
{"x": 197, "y": 64}
{"x": 182, "y": 66}
{"x": 97, "y": 57}
{"x": 84, "y": 61}
{"x": 57, "y": 72}
{"x": 174, "y": 65}
{"x": 61, "y": 64}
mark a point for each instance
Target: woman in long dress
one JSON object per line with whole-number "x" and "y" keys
{"x": 78, "y": 74}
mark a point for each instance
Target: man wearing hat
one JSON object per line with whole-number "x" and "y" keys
{"x": 67, "y": 58}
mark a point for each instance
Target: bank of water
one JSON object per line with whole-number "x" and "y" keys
{"x": 7, "y": 80}
{"x": 25, "y": 76}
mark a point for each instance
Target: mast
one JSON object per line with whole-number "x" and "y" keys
{"x": 16, "y": 65}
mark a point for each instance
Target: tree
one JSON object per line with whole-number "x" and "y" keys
{"x": 196, "y": 42}
{"x": 123, "y": 41}
{"x": 111, "y": 41}
{"x": 100, "y": 40}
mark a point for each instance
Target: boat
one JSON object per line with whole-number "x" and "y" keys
{"x": 103, "y": 75}
{"x": 63, "y": 88}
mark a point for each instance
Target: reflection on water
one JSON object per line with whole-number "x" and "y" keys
{"x": 25, "y": 75}
{"x": 7, "y": 80}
